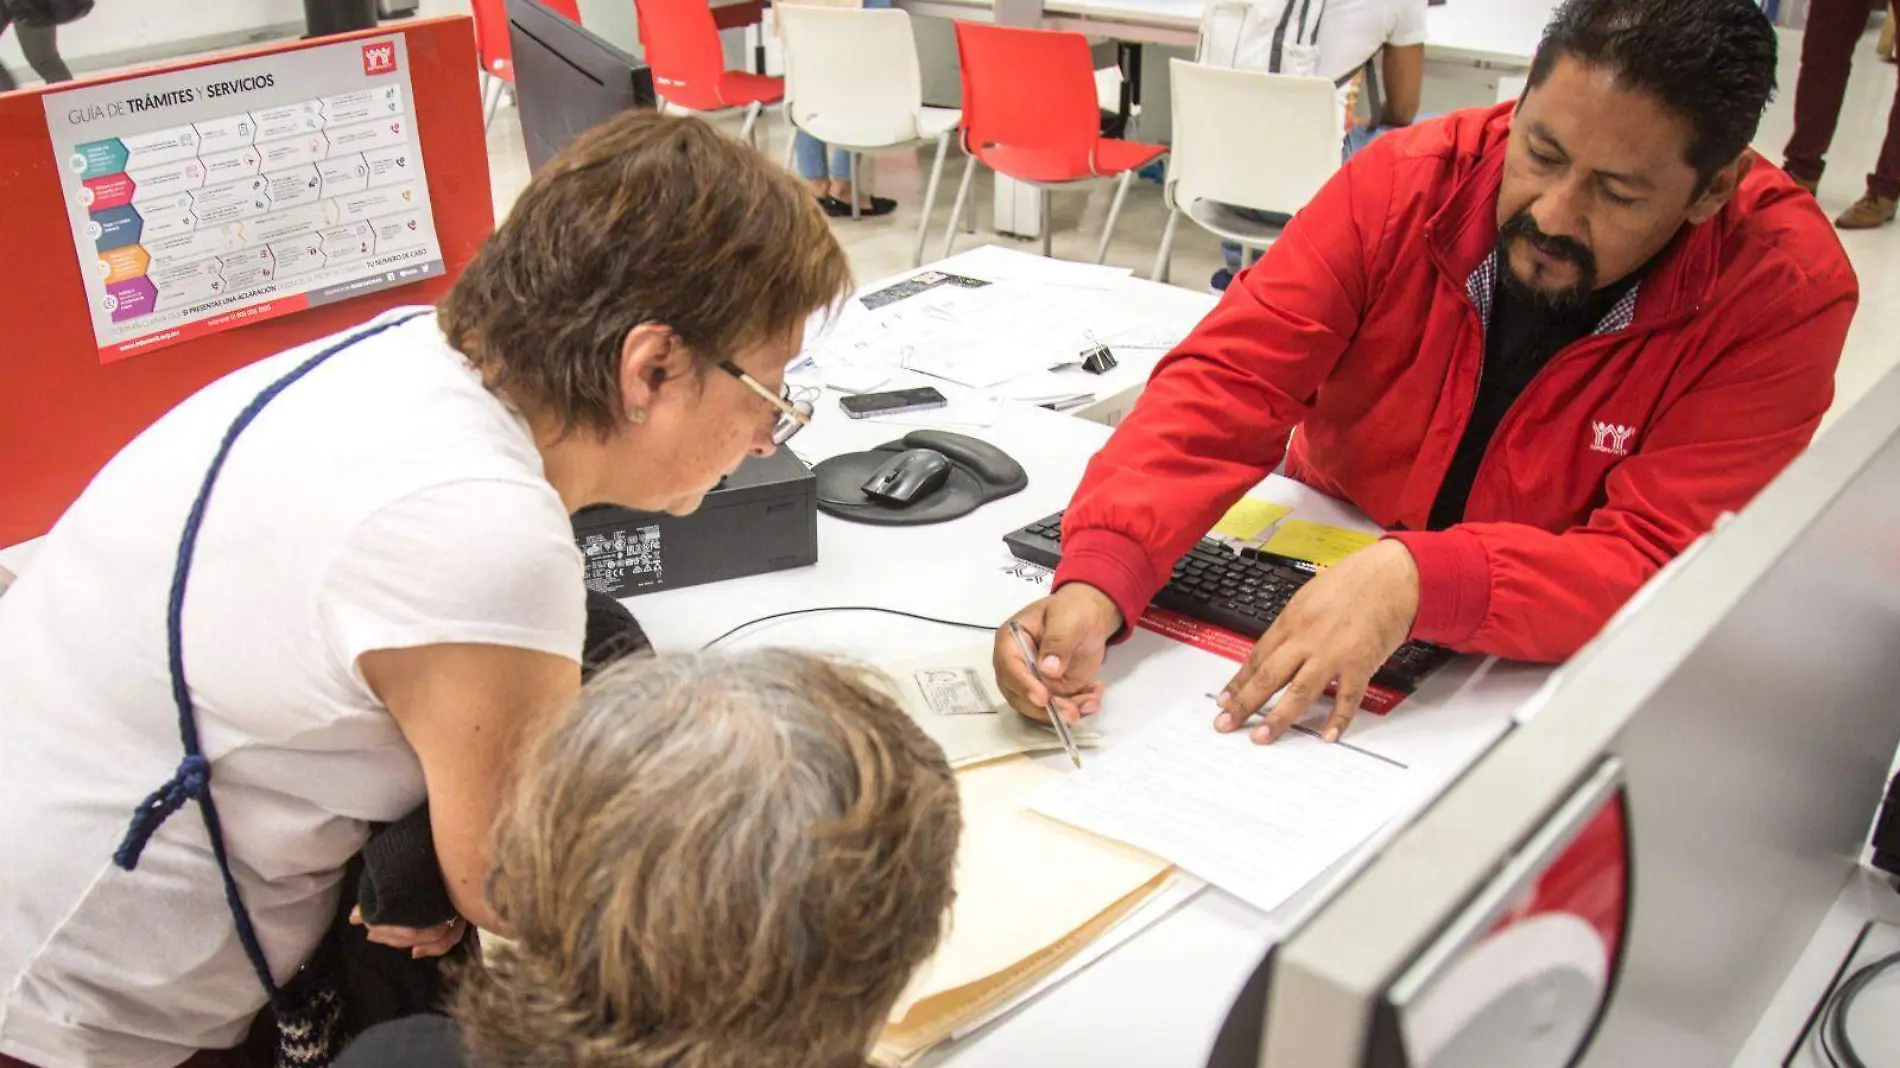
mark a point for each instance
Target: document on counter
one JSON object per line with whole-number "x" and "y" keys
{"x": 954, "y": 697}
{"x": 1259, "y": 821}
{"x": 1316, "y": 542}
{"x": 1032, "y": 894}
{"x": 1250, "y": 517}
{"x": 978, "y": 333}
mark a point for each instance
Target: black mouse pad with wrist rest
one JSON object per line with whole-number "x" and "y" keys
{"x": 979, "y": 473}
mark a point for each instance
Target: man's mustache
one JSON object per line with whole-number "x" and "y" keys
{"x": 1521, "y": 225}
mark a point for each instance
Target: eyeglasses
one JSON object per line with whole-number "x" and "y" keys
{"x": 794, "y": 406}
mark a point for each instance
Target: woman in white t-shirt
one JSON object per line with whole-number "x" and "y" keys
{"x": 385, "y": 587}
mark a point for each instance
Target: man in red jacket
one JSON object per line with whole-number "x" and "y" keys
{"x": 1545, "y": 345}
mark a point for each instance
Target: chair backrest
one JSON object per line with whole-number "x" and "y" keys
{"x": 1252, "y": 140}
{"x": 491, "y": 38}
{"x": 680, "y": 42}
{"x": 492, "y": 44}
{"x": 851, "y": 75}
{"x": 1030, "y": 89}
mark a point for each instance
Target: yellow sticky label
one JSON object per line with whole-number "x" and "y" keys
{"x": 1248, "y": 518}
{"x": 1317, "y": 543}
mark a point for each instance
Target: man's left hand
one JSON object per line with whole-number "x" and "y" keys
{"x": 1340, "y": 627}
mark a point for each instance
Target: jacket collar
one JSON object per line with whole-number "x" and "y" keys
{"x": 1463, "y": 236}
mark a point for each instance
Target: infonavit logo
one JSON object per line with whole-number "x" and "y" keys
{"x": 379, "y": 58}
{"x": 1610, "y": 438}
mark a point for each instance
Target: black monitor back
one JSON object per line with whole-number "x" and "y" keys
{"x": 567, "y": 79}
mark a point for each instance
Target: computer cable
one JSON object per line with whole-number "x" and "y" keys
{"x": 984, "y": 627}
{"x": 1836, "y": 1045}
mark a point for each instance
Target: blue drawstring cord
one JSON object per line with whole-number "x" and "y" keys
{"x": 192, "y": 780}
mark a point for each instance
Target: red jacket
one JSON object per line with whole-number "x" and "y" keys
{"x": 1363, "y": 328}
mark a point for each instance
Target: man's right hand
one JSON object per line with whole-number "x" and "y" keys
{"x": 1069, "y": 630}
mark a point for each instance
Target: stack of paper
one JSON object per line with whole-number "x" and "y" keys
{"x": 1031, "y": 894}
{"x": 1259, "y": 821}
{"x": 981, "y": 333}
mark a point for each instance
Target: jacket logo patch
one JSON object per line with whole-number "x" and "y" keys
{"x": 1610, "y": 438}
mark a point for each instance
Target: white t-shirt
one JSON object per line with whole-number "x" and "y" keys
{"x": 1353, "y": 31}
{"x": 386, "y": 500}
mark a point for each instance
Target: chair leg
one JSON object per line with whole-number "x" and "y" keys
{"x": 1047, "y": 224}
{"x": 747, "y": 133}
{"x": 491, "y": 99}
{"x": 930, "y": 198}
{"x": 1166, "y": 251}
{"x": 956, "y": 211}
{"x": 791, "y": 140}
{"x": 856, "y": 212}
{"x": 1114, "y": 210}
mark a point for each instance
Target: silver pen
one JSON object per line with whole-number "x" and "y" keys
{"x": 1062, "y": 729}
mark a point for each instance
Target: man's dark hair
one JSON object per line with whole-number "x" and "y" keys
{"x": 1711, "y": 61}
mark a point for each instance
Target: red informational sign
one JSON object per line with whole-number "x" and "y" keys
{"x": 72, "y": 402}
{"x": 1223, "y": 642}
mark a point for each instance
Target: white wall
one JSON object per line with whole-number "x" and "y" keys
{"x": 615, "y": 22}
{"x": 612, "y": 20}
{"x": 122, "y": 33}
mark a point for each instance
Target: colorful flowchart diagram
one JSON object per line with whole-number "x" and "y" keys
{"x": 282, "y": 195}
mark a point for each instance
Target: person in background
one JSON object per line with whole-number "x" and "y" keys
{"x": 40, "y": 44}
{"x": 386, "y": 592}
{"x": 828, "y": 173}
{"x": 711, "y": 862}
{"x": 1544, "y": 344}
{"x": 1351, "y": 34}
{"x": 1827, "y": 57}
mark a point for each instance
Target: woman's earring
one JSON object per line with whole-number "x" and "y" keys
{"x": 636, "y": 415}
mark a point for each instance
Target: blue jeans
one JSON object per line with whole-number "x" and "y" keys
{"x": 809, "y": 152}
{"x": 1358, "y": 138}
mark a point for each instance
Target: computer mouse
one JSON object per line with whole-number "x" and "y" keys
{"x": 908, "y": 477}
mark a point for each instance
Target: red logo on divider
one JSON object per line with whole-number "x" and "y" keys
{"x": 379, "y": 58}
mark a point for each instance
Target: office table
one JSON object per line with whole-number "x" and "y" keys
{"x": 1160, "y": 999}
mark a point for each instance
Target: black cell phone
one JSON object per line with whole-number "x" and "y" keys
{"x": 891, "y": 402}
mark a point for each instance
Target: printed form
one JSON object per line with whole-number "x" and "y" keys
{"x": 1259, "y": 821}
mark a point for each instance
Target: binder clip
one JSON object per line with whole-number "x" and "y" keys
{"x": 1098, "y": 360}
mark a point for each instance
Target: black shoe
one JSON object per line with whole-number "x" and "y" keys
{"x": 840, "y": 209}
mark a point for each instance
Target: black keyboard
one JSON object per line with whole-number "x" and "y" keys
{"x": 1242, "y": 591}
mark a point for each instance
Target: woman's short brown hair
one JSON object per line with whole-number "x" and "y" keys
{"x": 714, "y": 862}
{"x": 642, "y": 219}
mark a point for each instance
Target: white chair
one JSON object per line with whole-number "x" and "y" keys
{"x": 1245, "y": 139}
{"x": 852, "y": 81}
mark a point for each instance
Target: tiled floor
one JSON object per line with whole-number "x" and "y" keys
{"x": 881, "y": 247}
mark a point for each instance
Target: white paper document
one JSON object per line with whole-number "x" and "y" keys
{"x": 983, "y": 335}
{"x": 1259, "y": 821}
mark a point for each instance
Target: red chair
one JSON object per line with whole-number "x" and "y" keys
{"x": 494, "y": 51}
{"x": 681, "y": 41}
{"x": 1029, "y": 111}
